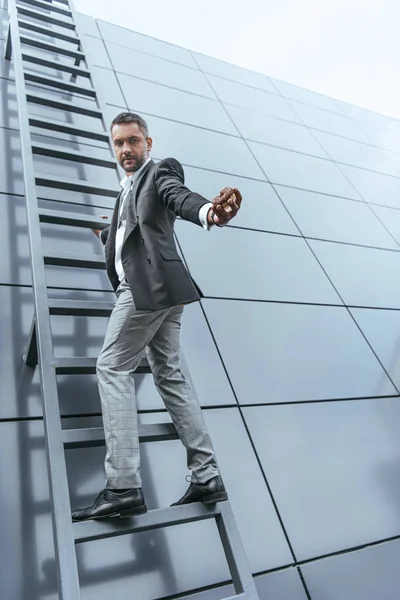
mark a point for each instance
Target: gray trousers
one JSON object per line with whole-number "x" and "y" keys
{"x": 130, "y": 333}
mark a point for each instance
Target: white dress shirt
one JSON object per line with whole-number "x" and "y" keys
{"x": 126, "y": 183}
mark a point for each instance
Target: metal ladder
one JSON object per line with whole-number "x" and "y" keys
{"x": 57, "y": 20}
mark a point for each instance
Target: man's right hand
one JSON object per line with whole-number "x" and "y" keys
{"x": 98, "y": 231}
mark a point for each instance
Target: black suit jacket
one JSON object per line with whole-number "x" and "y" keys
{"x": 154, "y": 271}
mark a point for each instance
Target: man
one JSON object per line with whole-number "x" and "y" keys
{"x": 152, "y": 285}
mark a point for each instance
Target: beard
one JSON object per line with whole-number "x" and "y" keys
{"x": 134, "y": 166}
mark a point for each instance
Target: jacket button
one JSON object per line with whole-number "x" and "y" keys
{"x": 149, "y": 261}
{"x": 142, "y": 240}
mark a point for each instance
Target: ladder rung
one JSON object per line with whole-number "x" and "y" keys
{"x": 59, "y": 2}
{"x": 88, "y": 438}
{"x": 87, "y": 366}
{"x": 60, "y": 84}
{"x": 78, "y": 308}
{"x": 68, "y": 107}
{"x": 58, "y": 217}
{"x": 32, "y": 14}
{"x": 47, "y": 31}
{"x": 44, "y": 150}
{"x": 61, "y": 259}
{"x": 34, "y": 43}
{"x": 48, "y": 6}
{"x": 37, "y": 60}
{"x": 43, "y": 123}
{"x": 73, "y": 185}
{"x": 88, "y": 531}
{"x": 75, "y": 366}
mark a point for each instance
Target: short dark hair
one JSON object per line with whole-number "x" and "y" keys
{"x": 130, "y": 117}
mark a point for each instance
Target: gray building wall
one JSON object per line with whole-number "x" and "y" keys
{"x": 294, "y": 352}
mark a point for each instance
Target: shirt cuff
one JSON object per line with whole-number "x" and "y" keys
{"x": 203, "y": 212}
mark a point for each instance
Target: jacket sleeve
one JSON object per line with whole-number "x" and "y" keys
{"x": 104, "y": 235}
{"x": 170, "y": 180}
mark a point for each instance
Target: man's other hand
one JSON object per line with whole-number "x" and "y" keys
{"x": 98, "y": 231}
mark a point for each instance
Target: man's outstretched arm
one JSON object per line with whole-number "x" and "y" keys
{"x": 188, "y": 205}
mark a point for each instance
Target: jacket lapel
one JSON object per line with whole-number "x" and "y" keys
{"x": 110, "y": 244}
{"x": 142, "y": 179}
{"x": 131, "y": 224}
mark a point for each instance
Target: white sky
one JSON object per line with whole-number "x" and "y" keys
{"x": 346, "y": 49}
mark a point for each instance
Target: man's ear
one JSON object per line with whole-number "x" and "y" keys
{"x": 149, "y": 143}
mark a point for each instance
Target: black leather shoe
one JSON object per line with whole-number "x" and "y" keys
{"x": 110, "y": 504}
{"x": 210, "y": 492}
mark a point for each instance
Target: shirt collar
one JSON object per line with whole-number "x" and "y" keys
{"x": 134, "y": 175}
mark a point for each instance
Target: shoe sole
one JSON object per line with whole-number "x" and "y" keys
{"x": 136, "y": 510}
{"x": 213, "y": 498}
{"x": 131, "y": 512}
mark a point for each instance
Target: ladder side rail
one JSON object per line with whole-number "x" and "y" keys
{"x": 59, "y": 492}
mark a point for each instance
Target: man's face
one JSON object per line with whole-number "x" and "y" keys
{"x": 131, "y": 147}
